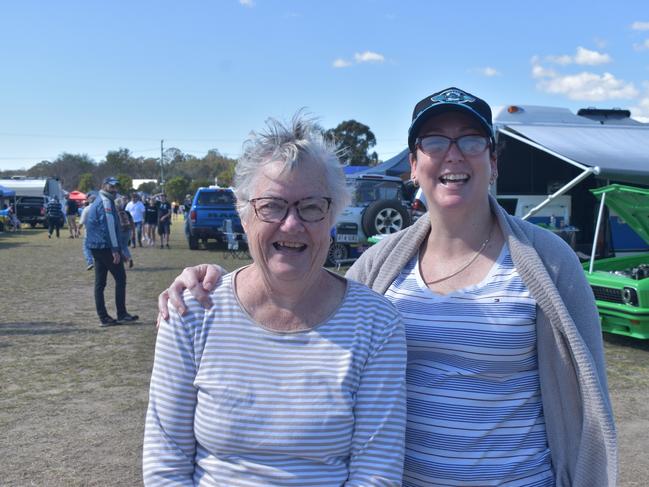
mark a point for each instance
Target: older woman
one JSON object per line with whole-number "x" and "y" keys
{"x": 506, "y": 376}
{"x": 294, "y": 375}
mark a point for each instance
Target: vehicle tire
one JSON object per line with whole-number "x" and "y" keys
{"x": 385, "y": 217}
{"x": 193, "y": 242}
{"x": 337, "y": 252}
{"x": 32, "y": 224}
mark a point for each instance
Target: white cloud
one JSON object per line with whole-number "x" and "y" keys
{"x": 490, "y": 72}
{"x": 642, "y": 47}
{"x": 341, "y": 63}
{"x": 591, "y": 58}
{"x": 247, "y": 3}
{"x": 582, "y": 86}
{"x": 487, "y": 71}
{"x": 582, "y": 56}
{"x": 369, "y": 57}
{"x": 640, "y": 25}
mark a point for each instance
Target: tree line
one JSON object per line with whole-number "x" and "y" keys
{"x": 183, "y": 173}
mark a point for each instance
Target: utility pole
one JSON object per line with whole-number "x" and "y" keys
{"x": 162, "y": 176}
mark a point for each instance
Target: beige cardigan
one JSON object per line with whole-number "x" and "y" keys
{"x": 577, "y": 409}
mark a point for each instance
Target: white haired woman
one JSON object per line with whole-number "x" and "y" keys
{"x": 506, "y": 376}
{"x": 278, "y": 382}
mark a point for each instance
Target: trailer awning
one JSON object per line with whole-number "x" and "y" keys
{"x": 619, "y": 153}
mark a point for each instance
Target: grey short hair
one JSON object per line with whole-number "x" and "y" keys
{"x": 296, "y": 144}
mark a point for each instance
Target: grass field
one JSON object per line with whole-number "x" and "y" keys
{"x": 73, "y": 395}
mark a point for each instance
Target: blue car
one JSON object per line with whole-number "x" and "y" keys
{"x": 213, "y": 215}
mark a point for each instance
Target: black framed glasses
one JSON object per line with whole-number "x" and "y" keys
{"x": 275, "y": 210}
{"x": 438, "y": 145}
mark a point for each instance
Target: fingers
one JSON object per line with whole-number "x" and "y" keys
{"x": 163, "y": 308}
{"x": 212, "y": 275}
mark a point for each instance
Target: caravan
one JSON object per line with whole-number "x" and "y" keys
{"x": 32, "y": 195}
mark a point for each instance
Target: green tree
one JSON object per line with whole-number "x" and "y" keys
{"x": 354, "y": 140}
{"x": 198, "y": 183}
{"x": 86, "y": 182}
{"x": 125, "y": 183}
{"x": 149, "y": 187}
{"x": 176, "y": 188}
{"x": 67, "y": 168}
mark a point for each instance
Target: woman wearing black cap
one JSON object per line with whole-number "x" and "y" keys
{"x": 506, "y": 374}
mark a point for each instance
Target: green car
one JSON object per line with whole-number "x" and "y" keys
{"x": 621, "y": 284}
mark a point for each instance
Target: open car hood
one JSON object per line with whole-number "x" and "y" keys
{"x": 631, "y": 203}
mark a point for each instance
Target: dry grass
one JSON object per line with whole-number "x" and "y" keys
{"x": 73, "y": 396}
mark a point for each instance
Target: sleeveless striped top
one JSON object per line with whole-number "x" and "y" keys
{"x": 475, "y": 416}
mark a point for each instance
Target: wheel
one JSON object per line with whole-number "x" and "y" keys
{"x": 385, "y": 217}
{"x": 193, "y": 242}
{"x": 337, "y": 252}
{"x": 32, "y": 224}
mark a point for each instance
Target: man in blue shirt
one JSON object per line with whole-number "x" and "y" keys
{"x": 102, "y": 238}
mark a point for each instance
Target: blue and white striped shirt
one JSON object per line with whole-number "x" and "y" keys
{"x": 234, "y": 404}
{"x": 475, "y": 416}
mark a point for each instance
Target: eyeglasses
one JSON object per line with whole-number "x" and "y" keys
{"x": 275, "y": 210}
{"x": 438, "y": 145}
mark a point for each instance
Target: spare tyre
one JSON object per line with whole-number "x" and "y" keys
{"x": 385, "y": 217}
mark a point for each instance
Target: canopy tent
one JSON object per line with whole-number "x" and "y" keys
{"x": 77, "y": 196}
{"x": 6, "y": 192}
{"x": 398, "y": 165}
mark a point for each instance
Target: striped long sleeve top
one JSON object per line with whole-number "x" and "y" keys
{"x": 234, "y": 404}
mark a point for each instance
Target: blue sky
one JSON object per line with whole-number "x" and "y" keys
{"x": 92, "y": 76}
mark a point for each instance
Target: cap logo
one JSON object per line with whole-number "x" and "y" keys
{"x": 452, "y": 96}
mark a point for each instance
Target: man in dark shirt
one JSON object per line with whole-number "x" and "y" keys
{"x": 164, "y": 220}
{"x": 54, "y": 214}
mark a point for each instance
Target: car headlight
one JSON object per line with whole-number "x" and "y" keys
{"x": 630, "y": 296}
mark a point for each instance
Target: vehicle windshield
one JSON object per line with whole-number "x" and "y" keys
{"x": 206, "y": 198}
{"x": 367, "y": 191}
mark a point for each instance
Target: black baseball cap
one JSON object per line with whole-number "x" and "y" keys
{"x": 450, "y": 99}
{"x": 112, "y": 180}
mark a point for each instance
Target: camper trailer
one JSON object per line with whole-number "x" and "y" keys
{"x": 32, "y": 195}
{"x": 552, "y": 158}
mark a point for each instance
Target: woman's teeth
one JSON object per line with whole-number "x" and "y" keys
{"x": 454, "y": 178}
{"x": 289, "y": 245}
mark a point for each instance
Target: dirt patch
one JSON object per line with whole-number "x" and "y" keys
{"x": 73, "y": 395}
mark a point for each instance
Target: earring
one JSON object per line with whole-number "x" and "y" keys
{"x": 414, "y": 182}
{"x": 492, "y": 180}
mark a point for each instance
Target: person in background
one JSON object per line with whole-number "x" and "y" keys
{"x": 150, "y": 221}
{"x": 103, "y": 239}
{"x": 278, "y": 384}
{"x": 13, "y": 218}
{"x": 54, "y": 215}
{"x": 136, "y": 208}
{"x": 90, "y": 263}
{"x": 187, "y": 206}
{"x": 71, "y": 213}
{"x": 506, "y": 373}
{"x": 127, "y": 228}
{"x": 164, "y": 220}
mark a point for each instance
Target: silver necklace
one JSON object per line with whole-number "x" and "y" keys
{"x": 465, "y": 266}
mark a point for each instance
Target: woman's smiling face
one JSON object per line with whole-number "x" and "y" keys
{"x": 453, "y": 180}
{"x": 291, "y": 250}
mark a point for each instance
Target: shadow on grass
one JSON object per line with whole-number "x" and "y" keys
{"x": 8, "y": 244}
{"x": 625, "y": 341}
{"x": 41, "y": 328}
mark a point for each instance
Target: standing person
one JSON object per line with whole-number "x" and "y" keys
{"x": 187, "y": 206}
{"x": 103, "y": 239}
{"x": 136, "y": 208}
{"x": 127, "y": 228}
{"x": 150, "y": 221}
{"x": 164, "y": 220}
{"x": 54, "y": 216}
{"x": 71, "y": 213}
{"x": 90, "y": 263}
{"x": 276, "y": 385}
{"x": 506, "y": 375}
